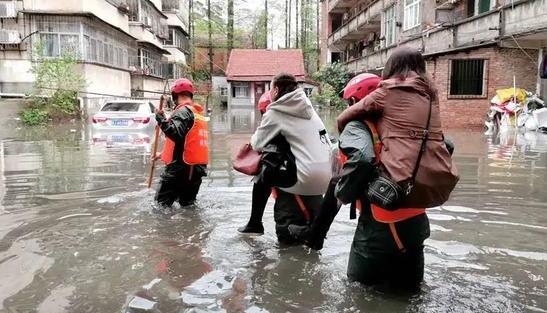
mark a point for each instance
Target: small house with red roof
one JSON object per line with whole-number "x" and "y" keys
{"x": 250, "y": 72}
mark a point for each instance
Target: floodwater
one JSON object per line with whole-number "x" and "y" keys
{"x": 78, "y": 233}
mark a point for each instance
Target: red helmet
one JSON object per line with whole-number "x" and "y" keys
{"x": 182, "y": 85}
{"x": 361, "y": 86}
{"x": 264, "y": 102}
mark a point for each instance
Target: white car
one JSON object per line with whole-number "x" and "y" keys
{"x": 125, "y": 115}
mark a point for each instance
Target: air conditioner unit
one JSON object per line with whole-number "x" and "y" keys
{"x": 8, "y": 36}
{"x": 8, "y": 9}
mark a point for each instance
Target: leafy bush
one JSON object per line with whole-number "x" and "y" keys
{"x": 34, "y": 116}
{"x": 328, "y": 96}
{"x": 55, "y": 89}
{"x": 332, "y": 79}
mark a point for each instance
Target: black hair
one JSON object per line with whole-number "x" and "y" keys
{"x": 175, "y": 96}
{"x": 285, "y": 83}
{"x": 405, "y": 60}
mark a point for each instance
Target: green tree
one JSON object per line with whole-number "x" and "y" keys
{"x": 56, "y": 88}
{"x": 332, "y": 79}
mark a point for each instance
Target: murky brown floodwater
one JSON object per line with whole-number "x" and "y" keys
{"x": 77, "y": 233}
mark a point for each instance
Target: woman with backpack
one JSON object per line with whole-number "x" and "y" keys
{"x": 416, "y": 172}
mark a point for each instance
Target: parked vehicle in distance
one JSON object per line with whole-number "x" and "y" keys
{"x": 125, "y": 115}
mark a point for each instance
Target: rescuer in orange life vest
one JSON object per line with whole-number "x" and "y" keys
{"x": 185, "y": 150}
{"x": 388, "y": 245}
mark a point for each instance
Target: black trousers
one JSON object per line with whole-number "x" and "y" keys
{"x": 179, "y": 182}
{"x": 288, "y": 210}
{"x": 397, "y": 270}
{"x": 375, "y": 258}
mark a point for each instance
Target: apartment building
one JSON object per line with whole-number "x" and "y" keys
{"x": 124, "y": 47}
{"x": 472, "y": 47}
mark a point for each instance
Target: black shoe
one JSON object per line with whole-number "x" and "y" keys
{"x": 303, "y": 233}
{"x": 252, "y": 229}
{"x": 186, "y": 204}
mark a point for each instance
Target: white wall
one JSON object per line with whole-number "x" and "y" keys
{"x": 137, "y": 30}
{"x": 176, "y": 55}
{"x": 174, "y": 20}
{"x": 102, "y": 9}
{"x": 157, "y": 3}
{"x": 153, "y": 84}
{"x": 101, "y": 79}
{"x": 15, "y": 76}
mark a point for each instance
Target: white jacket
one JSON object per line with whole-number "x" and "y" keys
{"x": 293, "y": 117}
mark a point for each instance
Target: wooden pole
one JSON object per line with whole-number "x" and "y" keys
{"x": 155, "y": 147}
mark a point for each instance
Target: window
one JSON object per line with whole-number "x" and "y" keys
{"x": 121, "y": 106}
{"x": 389, "y": 26}
{"x": 412, "y": 14}
{"x": 151, "y": 63}
{"x": 467, "y": 78}
{"x": 50, "y": 44}
{"x": 85, "y": 40}
{"x": 223, "y": 91}
{"x": 70, "y": 44}
{"x": 240, "y": 91}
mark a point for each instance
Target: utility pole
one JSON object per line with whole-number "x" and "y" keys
{"x": 266, "y": 24}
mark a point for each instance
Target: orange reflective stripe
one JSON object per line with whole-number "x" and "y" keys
{"x": 395, "y": 235}
{"x": 386, "y": 216}
{"x": 302, "y": 207}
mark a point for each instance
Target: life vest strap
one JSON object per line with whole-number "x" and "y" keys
{"x": 302, "y": 207}
{"x": 395, "y": 236}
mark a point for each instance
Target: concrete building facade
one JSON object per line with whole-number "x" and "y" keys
{"x": 124, "y": 48}
{"x": 472, "y": 47}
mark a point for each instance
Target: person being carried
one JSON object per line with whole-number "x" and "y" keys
{"x": 185, "y": 150}
{"x": 292, "y": 116}
{"x": 277, "y": 169}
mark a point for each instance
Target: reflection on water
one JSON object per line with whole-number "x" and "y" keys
{"x": 77, "y": 232}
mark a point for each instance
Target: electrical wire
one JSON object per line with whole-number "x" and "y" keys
{"x": 518, "y": 45}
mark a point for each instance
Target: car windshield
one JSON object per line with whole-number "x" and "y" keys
{"x": 121, "y": 106}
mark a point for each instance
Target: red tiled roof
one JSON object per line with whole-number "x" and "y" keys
{"x": 263, "y": 65}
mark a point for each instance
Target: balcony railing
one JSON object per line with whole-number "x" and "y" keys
{"x": 366, "y": 16}
{"x": 478, "y": 30}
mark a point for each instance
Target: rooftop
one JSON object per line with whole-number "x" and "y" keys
{"x": 264, "y": 65}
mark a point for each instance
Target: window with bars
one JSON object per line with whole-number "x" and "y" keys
{"x": 151, "y": 63}
{"x": 177, "y": 39}
{"x": 84, "y": 39}
{"x": 468, "y": 78}
{"x": 145, "y": 12}
{"x": 389, "y": 25}
{"x": 412, "y": 16}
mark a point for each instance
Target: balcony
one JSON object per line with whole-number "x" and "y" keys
{"x": 340, "y": 6}
{"x": 522, "y": 23}
{"x": 359, "y": 26}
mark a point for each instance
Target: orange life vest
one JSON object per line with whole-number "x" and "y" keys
{"x": 196, "y": 148}
{"x": 380, "y": 214}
